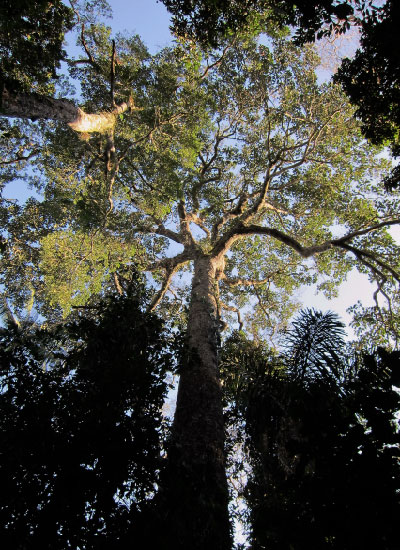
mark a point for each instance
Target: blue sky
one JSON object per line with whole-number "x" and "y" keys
{"x": 148, "y": 18}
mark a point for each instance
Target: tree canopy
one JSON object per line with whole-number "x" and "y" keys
{"x": 370, "y": 79}
{"x": 262, "y": 167}
{"x": 210, "y": 21}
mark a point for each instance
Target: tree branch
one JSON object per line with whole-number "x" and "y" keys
{"x": 362, "y": 254}
{"x": 360, "y": 232}
{"x": 167, "y": 263}
{"x": 194, "y": 218}
{"x": 117, "y": 284}
{"x": 207, "y": 164}
{"x": 112, "y": 75}
{"x": 35, "y": 106}
{"x": 91, "y": 59}
{"x": 233, "y": 213}
{"x": 164, "y": 288}
{"x": 218, "y": 61}
{"x": 165, "y": 232}
{"x": 242, "y": 231}
{"x": 235, "y": 310}
{"x": 186, "y": 233}
{"x": 20, "y": 158}
{"x": 111, "y": 169}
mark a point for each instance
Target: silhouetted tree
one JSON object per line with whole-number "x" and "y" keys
{"x": 81, "y": 426}
{"x": 372, "y": 80}
{"x": 211, "y": 21}
{"x": 321, "y": 437}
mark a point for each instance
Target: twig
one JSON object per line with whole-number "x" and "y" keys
{"x": 20, "y": 158}
{"x": 91, "y": 59}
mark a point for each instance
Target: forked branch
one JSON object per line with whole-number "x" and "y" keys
{"x": 234, "y": 310}
{"x": 169, "y": 273}
{"x": 365, "y": 256}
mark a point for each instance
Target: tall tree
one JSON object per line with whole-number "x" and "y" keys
{"x": 246, "y": 165}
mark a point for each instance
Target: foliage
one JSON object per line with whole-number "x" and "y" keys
{"x": 88, "y": 260}
{"x": 375, "y": 67}
{"x": 377, "y": 325}
{"x": 370, "y": 79}
{"x": 81, "y": 424}
{"x": 313, "y": 437}
{"x": 315, "y": 344}
{"x": 31, "y": 42}
{"x": 211, "y": 21}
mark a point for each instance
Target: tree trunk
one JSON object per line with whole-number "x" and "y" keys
{"x": 196, "y": 487}
{"x": 35, "y": 106}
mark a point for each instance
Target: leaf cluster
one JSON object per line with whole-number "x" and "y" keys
{"x": 31, "y": 42}
{"x": 375, "y": 67}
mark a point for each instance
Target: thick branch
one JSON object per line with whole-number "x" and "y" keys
{"x": 247, "y": 230}
{"x": 35, "y": 106}
{"x": 165, "y": 232}
{"x": 194, "y": 218}
{"x": 186, "y": 233}
{"x": 242, "y": 231}
{"x": 167, "y": 263}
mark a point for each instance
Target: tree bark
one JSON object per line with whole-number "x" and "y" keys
{"x": 35, "y": 106}
{"x": 196, "y": 487}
